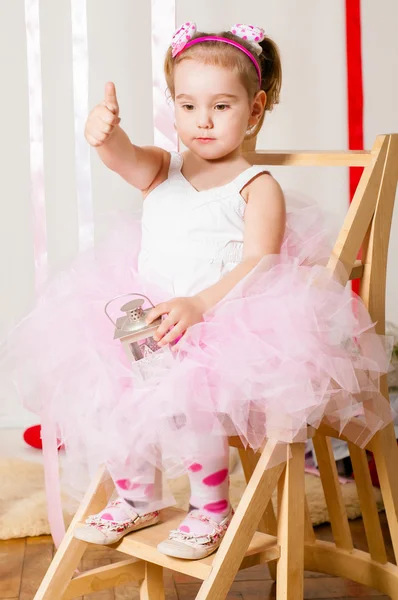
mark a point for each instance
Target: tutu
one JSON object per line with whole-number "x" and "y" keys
{"x": 286, "y": 347}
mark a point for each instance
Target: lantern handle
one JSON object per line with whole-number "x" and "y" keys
{"x": 124, "y": 296}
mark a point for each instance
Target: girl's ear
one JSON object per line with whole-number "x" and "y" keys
{"x": 258, "y": 107}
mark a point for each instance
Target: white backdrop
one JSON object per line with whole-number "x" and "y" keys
{"x": 53, "y": 184}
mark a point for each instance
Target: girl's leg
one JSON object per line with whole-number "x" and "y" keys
{"x": 139, "y": 499}
{"x": 141, "y": 493}
{"x": 209, "y": 479}
{"x": 210, "y": 512}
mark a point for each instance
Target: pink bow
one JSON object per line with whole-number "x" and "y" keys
{"x": 251, "y": 33}
{"x": 182, "y": 37}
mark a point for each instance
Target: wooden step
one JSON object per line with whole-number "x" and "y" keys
{"x": 142, "y": 544}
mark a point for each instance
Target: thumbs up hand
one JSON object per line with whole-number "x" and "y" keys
{"x": 110, "y": 99}
{"x": 103, "y": 119}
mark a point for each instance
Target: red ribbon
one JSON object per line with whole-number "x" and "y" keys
{"x": 355, "y": 91}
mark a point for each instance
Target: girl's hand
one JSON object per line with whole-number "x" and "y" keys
{"x": 181, "y": 314}
{"x": 103, "y": 119}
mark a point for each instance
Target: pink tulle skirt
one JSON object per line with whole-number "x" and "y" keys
{"x": 286, "y": 347}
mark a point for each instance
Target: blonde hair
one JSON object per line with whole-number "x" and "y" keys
{"x": 223, "y": 55}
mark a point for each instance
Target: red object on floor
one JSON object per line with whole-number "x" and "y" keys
{"x": 32, "y": 436}
{"x": 373, "y": 472}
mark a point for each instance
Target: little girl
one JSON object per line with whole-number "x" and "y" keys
{"x": 256, "y": 339}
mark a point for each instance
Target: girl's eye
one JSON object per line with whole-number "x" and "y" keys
{"x": 221, "y": 107}
{"x": 187, "y": 106}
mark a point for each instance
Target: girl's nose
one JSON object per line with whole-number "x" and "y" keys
{"x": 204, "y": 121}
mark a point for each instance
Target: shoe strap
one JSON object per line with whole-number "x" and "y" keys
{"x": 218, "y": 527}
{"x": 218, "y": 532}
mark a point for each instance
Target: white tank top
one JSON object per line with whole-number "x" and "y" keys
{"x": 190, "y": 239}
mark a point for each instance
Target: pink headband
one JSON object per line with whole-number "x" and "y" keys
{"x": 182, "y": 40}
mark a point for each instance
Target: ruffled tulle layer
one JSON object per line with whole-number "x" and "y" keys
{"x": 287, "y": 346}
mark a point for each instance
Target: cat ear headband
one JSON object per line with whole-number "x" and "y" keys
{"x": 182, "y": 39}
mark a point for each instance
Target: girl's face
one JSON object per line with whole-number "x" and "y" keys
{"x": 212, "y": 109}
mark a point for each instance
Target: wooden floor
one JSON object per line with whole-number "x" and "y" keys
{"x": 23, "y": 563}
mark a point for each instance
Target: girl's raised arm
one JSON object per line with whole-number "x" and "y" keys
{"x": 137, "y": 165}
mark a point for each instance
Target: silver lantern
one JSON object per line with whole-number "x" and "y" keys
{"x": 136, "y": 336}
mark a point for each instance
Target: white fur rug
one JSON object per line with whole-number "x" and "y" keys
{"x": 23, "y": 504}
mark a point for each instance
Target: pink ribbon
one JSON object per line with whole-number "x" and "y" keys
{"x": 165, "y": 136}
{"x": 37, "y": 193}
{"x": 51, "y": 479}
{"x": 163, "y": 27}
{"x": 86, "y": 220}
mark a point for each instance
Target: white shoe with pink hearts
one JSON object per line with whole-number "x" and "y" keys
{"x": 113, "y": 523}
{"x": 193, "y": 546}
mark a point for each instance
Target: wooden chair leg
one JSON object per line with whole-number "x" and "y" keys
{"x": 267, "y": 523}
{"x": 370, "y": 515}
{"x": 309, "y": 533}
{"x": 152, "y": 587}
{"x": 385, "y": 450}
{"x": 333, "y": 495}
{"x": 71, "y": 550}
{"x": 291, "y": 513}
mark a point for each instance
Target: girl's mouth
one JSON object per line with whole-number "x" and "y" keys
{"x": 205, "y": 140}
